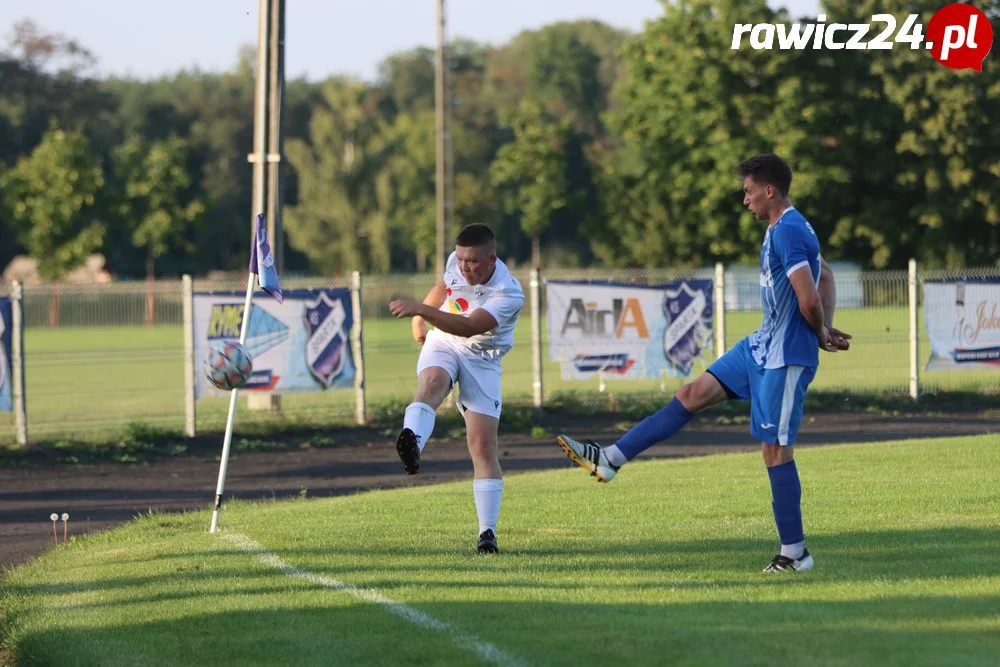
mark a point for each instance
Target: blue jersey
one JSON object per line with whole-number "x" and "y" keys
{"x": 785, "y": 337}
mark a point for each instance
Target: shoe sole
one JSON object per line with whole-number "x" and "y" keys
{"x": 489, "y": 549}
{"x": 409, "y": 454}
{"x": 583, "y": 463}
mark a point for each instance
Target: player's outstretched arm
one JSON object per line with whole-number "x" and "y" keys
{"x": 477, "y": 322}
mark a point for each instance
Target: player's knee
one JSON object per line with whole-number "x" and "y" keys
{"x": 776, "y": 455}
{"x": 690, "y": 397}
{"x": 433, "y": 384}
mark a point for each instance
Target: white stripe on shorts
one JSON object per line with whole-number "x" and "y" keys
{"x": 792, "y": 376}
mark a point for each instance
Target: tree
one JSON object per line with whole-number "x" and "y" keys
{"x": 563, "y": 72}
{"x": 568, "y": 66}
{"x": 43, "y": 76}
{"x": 531, "y": 172}
{"x": 408, "y": 184}
{"x": 53, "y": 201}
{"x": 947, "y": 148}
{"x": 689, "y": 109}
{"x": 157, "y": 203}
{"x": 407, "y": 78}
{"x": 337, "y": 220}
{"x": 833, "y": 122}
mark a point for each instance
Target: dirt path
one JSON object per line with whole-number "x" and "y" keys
{"x": 98, "y": 497}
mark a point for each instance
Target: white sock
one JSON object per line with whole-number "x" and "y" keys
{"x": 487, "y": 493}
{"x": 419, "y": 418}
{"x": 793, "y": 551}
{"x": 615, "y": 456}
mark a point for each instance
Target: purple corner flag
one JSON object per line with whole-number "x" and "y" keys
{"x": 262, "y": 262}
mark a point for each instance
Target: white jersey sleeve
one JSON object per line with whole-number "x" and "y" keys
{"x": 503, "y": 305}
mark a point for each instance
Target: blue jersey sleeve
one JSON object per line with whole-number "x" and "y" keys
{"x": 795, "y": 245}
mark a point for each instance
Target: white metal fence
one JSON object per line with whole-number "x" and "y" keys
{"x": 98, "y": 360}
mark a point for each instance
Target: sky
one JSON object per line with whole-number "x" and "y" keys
{"x": 143, "y": 39}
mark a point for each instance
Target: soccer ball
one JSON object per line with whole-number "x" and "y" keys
{"x": 228, "y": 366}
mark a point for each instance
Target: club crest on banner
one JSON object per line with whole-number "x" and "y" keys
{"x": 326, "y": 352}
{"x": 688, "y": 314}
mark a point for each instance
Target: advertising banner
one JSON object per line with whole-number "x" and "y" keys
{"x": 628, "y": 331}
{"x": 962, "y": 318}
{"x": 301, "y": 344}
{"x": 6, "y": 363}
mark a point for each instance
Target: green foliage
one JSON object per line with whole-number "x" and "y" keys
{"x": 337, "y": 223}
{"x": 578, "y": 138}
{"x": 946, "y": 145}
{"x": 156, "y": 202}
{"x": 563, "y": 71}
{"x": 53, "y": 201}
{"x": 531, "y": 170}
{"x": 894, "y": 155}
{"x": 690, "y": 110}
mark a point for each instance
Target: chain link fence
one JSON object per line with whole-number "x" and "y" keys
{"x": 103, "y": 359}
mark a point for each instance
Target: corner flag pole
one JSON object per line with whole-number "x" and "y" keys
{"x": 261, "y": 269}
{"x": 232, "y": 411}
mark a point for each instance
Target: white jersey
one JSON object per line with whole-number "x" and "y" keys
{"x": 502, "y": 297}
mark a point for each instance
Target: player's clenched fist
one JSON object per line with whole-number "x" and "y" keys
{"x": 401, "y": 308}
{"x": 836, "y": 340}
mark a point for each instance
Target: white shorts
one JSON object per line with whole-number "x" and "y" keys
{"x": 478, "y": 379}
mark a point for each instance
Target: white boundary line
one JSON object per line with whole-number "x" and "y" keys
{"x": 484, "y": 650}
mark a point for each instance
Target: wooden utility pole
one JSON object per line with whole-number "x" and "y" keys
{"x": 266, "y": 158}
{"x": 442, "y": 108}
{"x": 275, "y": 132}
{"x": 268, "y": 189}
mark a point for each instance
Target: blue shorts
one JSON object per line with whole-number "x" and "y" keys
{"x": 777, "y": 395}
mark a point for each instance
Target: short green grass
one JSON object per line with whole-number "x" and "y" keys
{"x": 660, "y": 567}
{"x": 94, "y": 381}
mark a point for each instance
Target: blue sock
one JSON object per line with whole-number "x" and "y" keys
{"x": 786, "y": 494}
{"x": 654, "y": 428}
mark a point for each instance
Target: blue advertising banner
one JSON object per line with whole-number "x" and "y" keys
{"x": 6, "y": 363}
{"x": 301, "y": 344}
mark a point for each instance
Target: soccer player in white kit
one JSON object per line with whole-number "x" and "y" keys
{"x": 473, "y": 308}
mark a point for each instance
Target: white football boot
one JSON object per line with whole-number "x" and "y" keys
{"x": 589, "y": 456}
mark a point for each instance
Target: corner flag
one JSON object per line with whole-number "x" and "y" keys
{"x": 262, "y": 262}
{"x": 262, "y": 266}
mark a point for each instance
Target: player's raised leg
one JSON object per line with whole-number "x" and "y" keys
{"x": 726, "y": 378}
{"x": 487, "y": 485}
{"x": 433, "y": 384}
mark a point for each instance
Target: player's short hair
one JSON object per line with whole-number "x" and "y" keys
{"x": 476, "y": 235}
{"x": 769, "y": 169}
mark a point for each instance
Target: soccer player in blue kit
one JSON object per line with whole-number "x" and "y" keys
{"x": 772, "y": 366}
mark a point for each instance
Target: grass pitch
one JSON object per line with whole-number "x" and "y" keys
{"x": 662, "y": 566}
